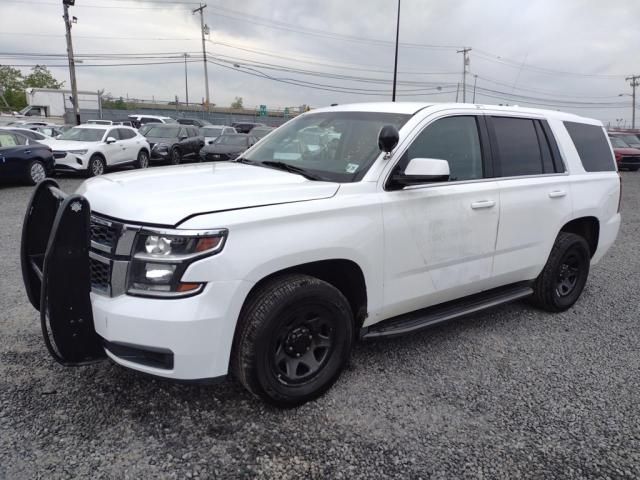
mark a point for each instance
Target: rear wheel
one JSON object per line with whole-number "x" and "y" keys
{"x": 36, "y": 172}
{"x": 96, "y": 166}
{"x": 294, "y": 338}
{"x": 176, "y": 156}
{"x": 143, "y": 159}
{"x": 564, "y": 276}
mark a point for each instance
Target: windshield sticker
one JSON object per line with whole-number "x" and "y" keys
{"x": 352, "y": 167}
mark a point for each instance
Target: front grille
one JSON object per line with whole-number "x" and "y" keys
{"x": 627, "y": 160}
{"x": 214, "y": 157}
{"x": 100, "y": 275}
{"x": 103, "y": 233}
{"x": 59, "y": 154}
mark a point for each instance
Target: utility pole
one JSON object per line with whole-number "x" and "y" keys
{"x": 395, "y": 63}
{"x": 465, "y": 64}
{"x": 204, "y": 51}
{"x": 475, "y": 81}
{"x": 72, "y": 63}
{"x": 635, "y": 81}
{"x": 457, "y": 91}
{"x": 186, "y": 81}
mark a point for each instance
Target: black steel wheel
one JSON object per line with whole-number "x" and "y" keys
{"x": 565, "y": 274}
{"x": 293, "y": 339}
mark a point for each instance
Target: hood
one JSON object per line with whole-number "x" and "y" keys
{"x": 627, "y": 151}
{"x": 218, "y": 148}
{"x": 65, "y": 145}
{"x": 167, "y": 195}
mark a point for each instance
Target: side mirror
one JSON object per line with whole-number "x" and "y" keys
{"x": 388, "y": 138}
{"x": 110, "y": 140}
{"x": 422, "y": 170}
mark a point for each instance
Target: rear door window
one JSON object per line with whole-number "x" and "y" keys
{"x": 592, "y": 146}
{"x": 517, "y": 147}
{"x": 7, "y": 140}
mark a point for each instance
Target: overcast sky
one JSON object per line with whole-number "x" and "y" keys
{"x": 570, "y": 55}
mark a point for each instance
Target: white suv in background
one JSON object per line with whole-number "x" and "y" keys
{"x": 92, "y": 148}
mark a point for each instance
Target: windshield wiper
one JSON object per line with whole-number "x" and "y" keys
{"x": 245, "y": 160}
{"x": 292, "y": 169}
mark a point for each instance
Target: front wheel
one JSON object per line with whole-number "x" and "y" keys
{"x": 294, "y": 338}
{"x": 565, "y": 274}
{"x": 96, "y": 166}
{"x": 143, "y": 159}
{"x": 176, "y": 156}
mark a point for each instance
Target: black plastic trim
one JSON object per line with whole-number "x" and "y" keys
{"x": 154, "y": 357}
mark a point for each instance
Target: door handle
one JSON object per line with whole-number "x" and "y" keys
{"x": 483, "y": 204}
{"x": 557, "y": 194}
{"x": 27, "y": 152}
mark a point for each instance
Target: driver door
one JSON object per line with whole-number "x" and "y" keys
{"x": 113, "y": 152}
{"x": 440, "y": 237}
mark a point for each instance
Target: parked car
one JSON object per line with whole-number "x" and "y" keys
{"x": 196, "y": 122}
{"x": 139, "y": 120}
{"x": 91, "y": 149}
{"x": 246, "y": 127}
{"x": 211, "y": 132}
{"x": 271, "y": 270}
{"x": 631, "y": 139}
{"x": 174, "y": 142}
{"x": 260, "y": 132}
{"x": 32, "y": 134}
{"x": 626, "y": 157}
{"x": 227, "y": 147}
{"x": 49, "y": 131}
{"x": 22, "y": 159}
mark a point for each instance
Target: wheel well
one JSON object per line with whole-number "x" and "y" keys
{"x": 345, "y": 275}
{"x": 588, "y": 228}
{"x": 99, "y": 155}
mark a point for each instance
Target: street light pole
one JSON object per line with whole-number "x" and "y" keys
{"x": 395, "y": 63}
{"x": 465, "y": 63}
{"x": 204, "y": 52}
{"x": 186, "y": 81}
{"x": 72, "y": 63}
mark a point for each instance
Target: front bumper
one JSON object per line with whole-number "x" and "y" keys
{"x": 159, "y": 155}
{"x": 70, "y": 162}
{"x": 196, "y": 332}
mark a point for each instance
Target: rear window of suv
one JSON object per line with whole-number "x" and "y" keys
{"x": 592, "y": 146}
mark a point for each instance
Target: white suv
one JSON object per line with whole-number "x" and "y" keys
{"x": 93, "y": 148}
{"x": 396, "y": 217}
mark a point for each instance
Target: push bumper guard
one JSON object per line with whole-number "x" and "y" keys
{"x": 54, "y": 254}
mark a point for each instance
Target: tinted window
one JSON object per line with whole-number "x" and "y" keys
{"x": 115, "y": 133}
{"x": 592, "y": 146}
{"x": 126, "y": 134}
{"x": 144, "y": 120}
{"x": 454, "y": 139}
{"x": 193, "y": 132}
{"x": 518, "y": 149}
{"x": 617, "y": 142}
{"x": 83, "y": 134}
{"x": 162, "y": 131}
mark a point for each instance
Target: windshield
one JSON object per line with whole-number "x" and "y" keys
{"x": 337, "y": 146}
{"x": 618, "y": 142}
{"x": 210, "y": 131}
{"x": 231, "y": 140}
{"x": 83, "y": 134}
{"x": 631, "y": 139}
{"x": 162, "y": 131}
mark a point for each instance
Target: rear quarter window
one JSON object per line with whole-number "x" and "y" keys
{"x": 592, "y": 146}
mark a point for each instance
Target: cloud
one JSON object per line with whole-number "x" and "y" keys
{"x": 519, "y": 48}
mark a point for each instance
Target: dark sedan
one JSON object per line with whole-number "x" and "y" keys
{"x": 173, "y": 142}
{"x": 227, "y": 147}
{"x": 246, "y": 127}
{"x": 23, "y": 160}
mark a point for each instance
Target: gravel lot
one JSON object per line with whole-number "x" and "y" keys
{"x": 507, "y": 394}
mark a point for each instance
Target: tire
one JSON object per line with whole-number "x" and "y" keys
{"x": 176, "y": 156}
{"x": 96, "y": 166}
{"x": 36, "y": 172}
{"x": 143, "y": 159}
{"x": 293, "y": 339}
{"x": 565, "y": 274}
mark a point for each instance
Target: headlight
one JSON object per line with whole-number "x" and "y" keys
{"x": 161, "y": 258}
{"x": 78, "y": 152}
{"x": 161, "y": 147}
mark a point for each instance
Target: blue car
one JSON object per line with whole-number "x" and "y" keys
{"x": 23, "y": 159}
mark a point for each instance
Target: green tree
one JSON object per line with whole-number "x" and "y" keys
{"x": 237, "y": 103}
{"x": 41, "y": 77}
{"x": 12, "y": 85}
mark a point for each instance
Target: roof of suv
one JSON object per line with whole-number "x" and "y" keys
{"x": 411, "y": 108}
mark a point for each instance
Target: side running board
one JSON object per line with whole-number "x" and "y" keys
{"x": 427, "y": 317}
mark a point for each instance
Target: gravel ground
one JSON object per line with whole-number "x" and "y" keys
{"x": 512, "y": 393}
